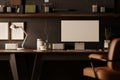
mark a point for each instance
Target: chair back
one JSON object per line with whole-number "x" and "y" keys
{"x": 114, "y": 54}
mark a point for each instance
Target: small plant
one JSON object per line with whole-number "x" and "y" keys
{"x": 107, "y": 33}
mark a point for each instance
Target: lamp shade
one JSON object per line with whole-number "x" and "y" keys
{"x": 12, "y": 26}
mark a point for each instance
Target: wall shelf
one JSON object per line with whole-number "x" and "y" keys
{"x": 58, "y": 15}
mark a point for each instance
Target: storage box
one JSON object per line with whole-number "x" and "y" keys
{"x": 11, "y": 45}
{"x": 57, "y": 46}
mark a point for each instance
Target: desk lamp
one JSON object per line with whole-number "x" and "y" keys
{"x": 26, "y": 35}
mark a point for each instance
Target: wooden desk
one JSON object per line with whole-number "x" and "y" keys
{"x": 10, "y": 56}
{"x": 44, "y": 55}
{"x": 58, "y": 55}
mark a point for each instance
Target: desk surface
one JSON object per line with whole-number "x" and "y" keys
{"x": 50, "y": 51}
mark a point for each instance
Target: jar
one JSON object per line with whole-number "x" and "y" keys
{"x": 102, "y": 9}
{"x": 46, "y": 7}
{"x": 8, "y": 9}
{"x": 94, "y": 8}
{"x": 39, "y": 43}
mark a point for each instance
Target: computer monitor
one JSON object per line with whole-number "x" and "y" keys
{"x": 80, "y": 31}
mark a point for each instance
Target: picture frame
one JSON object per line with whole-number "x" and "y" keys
{"x": 17, "y": 34}
{"x": 4, "y": 30}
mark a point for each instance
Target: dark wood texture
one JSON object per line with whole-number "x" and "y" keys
{"x": 29, "y": 51}
{"x": 57, "y": 15}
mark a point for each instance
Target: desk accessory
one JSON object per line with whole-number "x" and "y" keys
{"x": 94, "y": 8}
{"x": 41, "y": 45}
{"x": 79, "y": 46}
{"x": 9, "y": 9}
{"x": 2, "y": 8}
{"x": 108, "y": 35}
{"x": 18, "y": 9}
{"x": 102, "y": 9}
{"x": 38, "y": 44}
{"x": 15, "y": 27}
{"x": 11, "y": 45}
{"x": 57, "y": 46}
{"x": 47, "y": 6}
{"x": 30, "y": 8}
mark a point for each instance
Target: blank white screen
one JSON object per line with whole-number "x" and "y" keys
{"x": 80, "y": 30}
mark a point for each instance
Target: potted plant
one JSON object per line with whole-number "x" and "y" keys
{"x": 107, "y": 37}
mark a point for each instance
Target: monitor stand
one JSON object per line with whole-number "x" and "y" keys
{"x": 79, "y": 46}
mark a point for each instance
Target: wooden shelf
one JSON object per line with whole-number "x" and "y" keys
{"x": 57, "y": 15}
